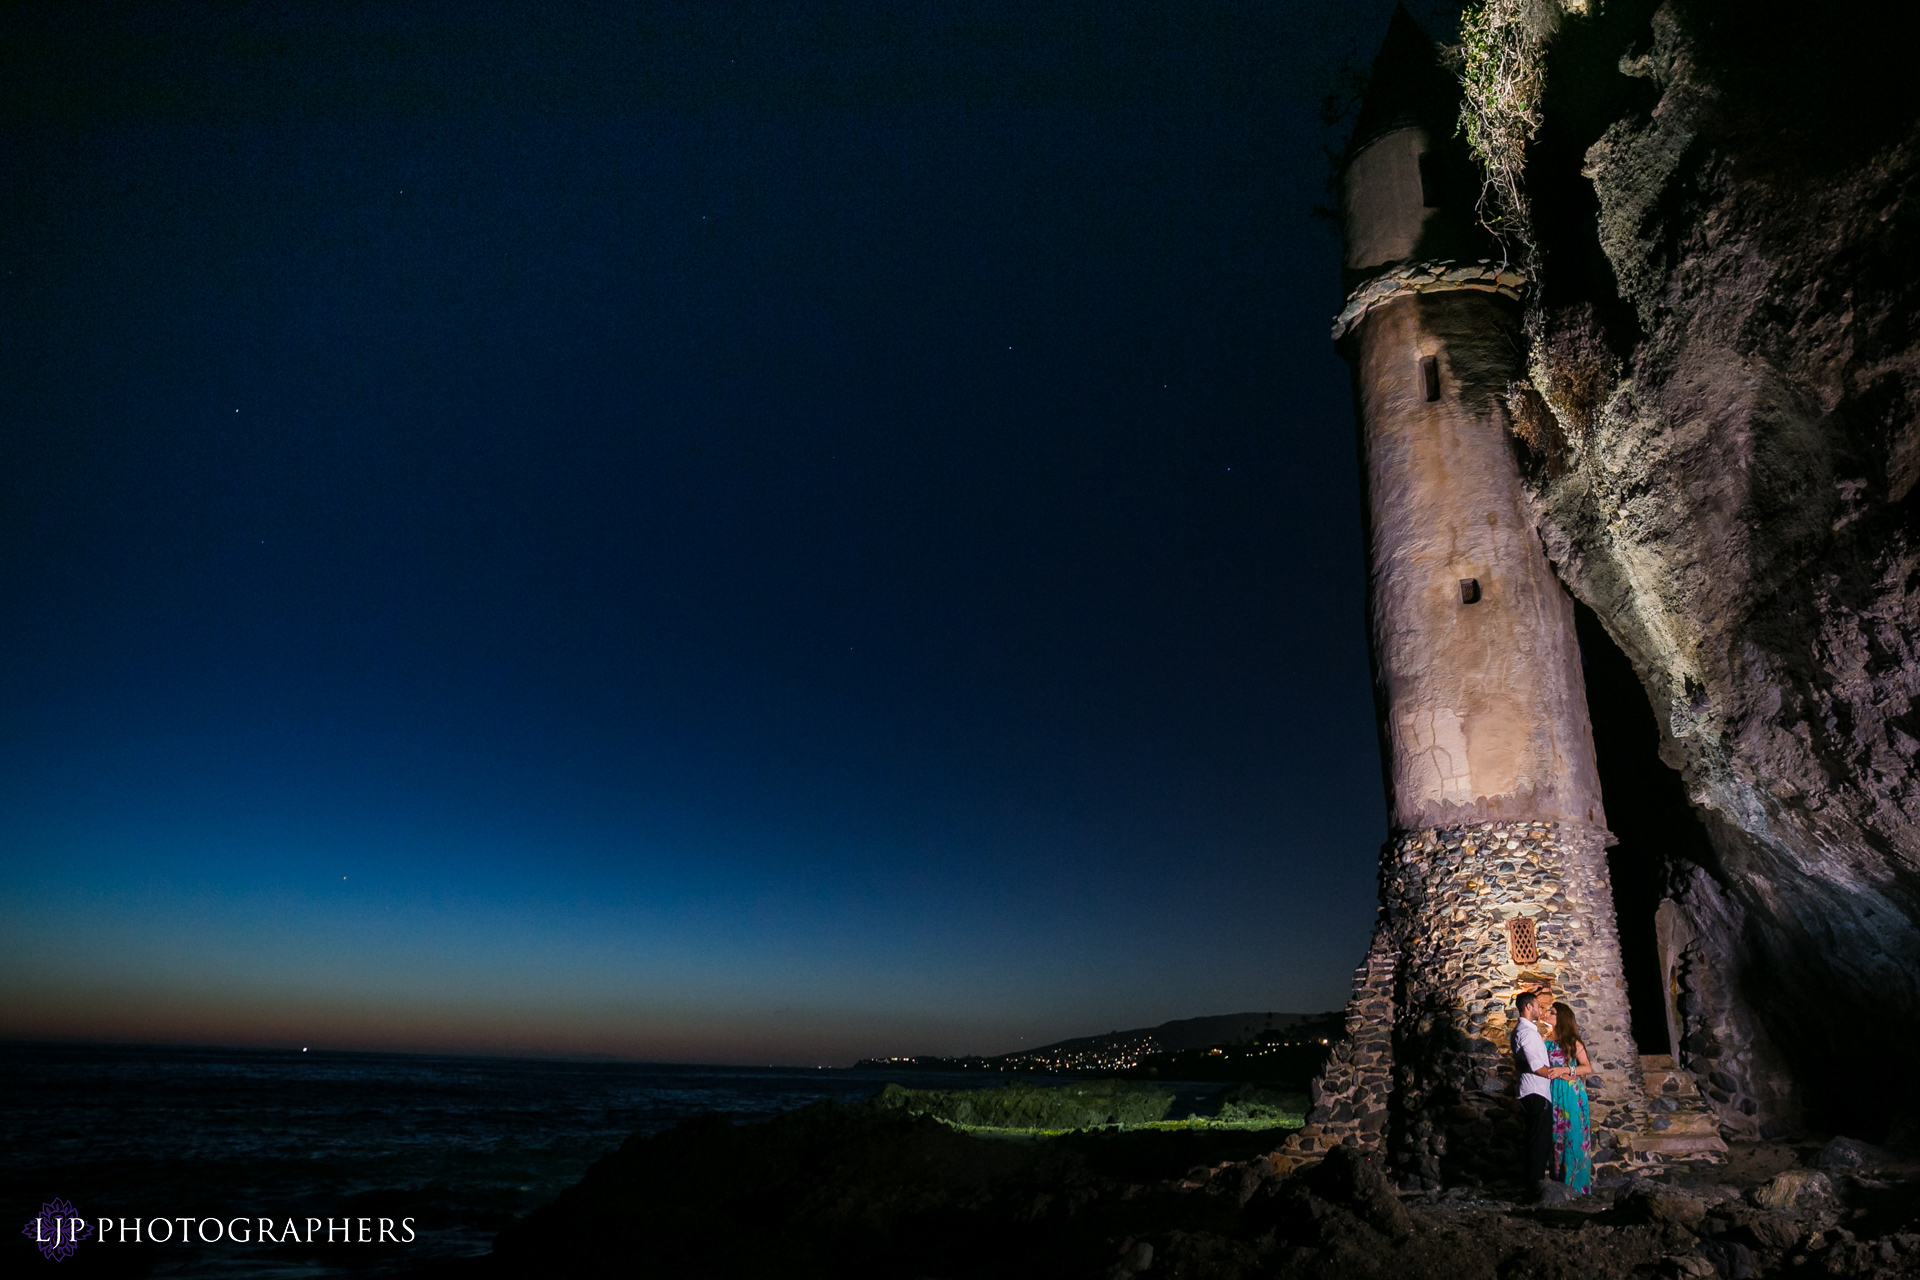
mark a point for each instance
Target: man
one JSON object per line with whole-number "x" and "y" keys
{"x": 1536, "y": 1095}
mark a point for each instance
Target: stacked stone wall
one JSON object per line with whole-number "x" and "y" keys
{"x": 1350, "y": 1096}
{"x": 1434, "y": 1004}
{"x": 1716, "y": 1037}
{"x": 1721, "y": 1069}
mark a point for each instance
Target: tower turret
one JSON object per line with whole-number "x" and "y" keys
{"x": 1408, "y": 186}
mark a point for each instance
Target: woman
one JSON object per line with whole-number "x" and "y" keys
{"x": 1572, "y": 1123}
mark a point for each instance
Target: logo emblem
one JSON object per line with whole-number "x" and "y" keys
{"x": 57, "y": 1230}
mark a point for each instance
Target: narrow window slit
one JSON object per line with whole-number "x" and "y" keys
{"x": 1430, "y": 377}
{"x": 1469, "y": 591}
{"x": 1430, "y": 181}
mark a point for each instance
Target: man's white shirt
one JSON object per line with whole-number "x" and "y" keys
{"x": 1533, "y": 1050}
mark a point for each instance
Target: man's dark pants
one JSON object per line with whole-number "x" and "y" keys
{"x": 1539, "y": 1138}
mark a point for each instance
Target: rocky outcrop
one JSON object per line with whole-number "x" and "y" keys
{"x": 1722, "y": 449}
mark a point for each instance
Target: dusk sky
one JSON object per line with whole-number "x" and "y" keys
{"x": 767, "y": 533}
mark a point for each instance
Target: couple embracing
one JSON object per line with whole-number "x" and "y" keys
{"x": 1553, "y": 1065}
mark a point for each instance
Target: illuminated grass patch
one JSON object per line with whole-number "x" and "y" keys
{"x": 1193, "y": 1124}
{"x": 1031, "y": 1110}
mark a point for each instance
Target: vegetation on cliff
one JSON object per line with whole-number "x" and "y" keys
{"x": 1502, "y": 64}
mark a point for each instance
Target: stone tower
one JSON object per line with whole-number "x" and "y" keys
{"x": 1494, "y": 876}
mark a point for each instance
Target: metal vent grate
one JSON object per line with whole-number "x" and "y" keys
{"x": 1521, "y": 944}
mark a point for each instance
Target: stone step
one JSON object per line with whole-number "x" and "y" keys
{"x": 1706, "y": 1146}
{"x": 1664, "y": 1080}
{"x": 1660, "y": 1066}
{"x": 1679, "y": 1125}
{"x": 1679, "y": 1122}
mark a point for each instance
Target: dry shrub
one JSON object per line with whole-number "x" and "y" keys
{"x": 1578, "y": 370}
{"x": 1536, "y": 427}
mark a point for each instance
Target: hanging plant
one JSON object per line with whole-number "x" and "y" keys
{"x": 1502, "y": 65}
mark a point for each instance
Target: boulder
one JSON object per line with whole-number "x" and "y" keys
{"x": 1794, "y": 1189}
{"x": 1658, "y": 1203}
{"x": 1843, "y": 1154}
{"x": 1345, "y": 1194}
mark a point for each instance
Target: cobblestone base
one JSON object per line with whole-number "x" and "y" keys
{"x": 1426, "y": 1072}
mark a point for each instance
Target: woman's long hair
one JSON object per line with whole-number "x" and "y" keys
{"x": 1566, "y": 1032}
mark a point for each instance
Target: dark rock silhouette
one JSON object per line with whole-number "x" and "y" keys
{"x": 865, "y": 1191}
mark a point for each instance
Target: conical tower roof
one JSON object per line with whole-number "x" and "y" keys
{"x": 1408, "y": 86}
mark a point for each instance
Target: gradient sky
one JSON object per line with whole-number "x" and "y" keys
{"x": 747, "y": 534}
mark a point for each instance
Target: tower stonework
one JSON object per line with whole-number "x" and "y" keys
{"x": 1494, "y": 877}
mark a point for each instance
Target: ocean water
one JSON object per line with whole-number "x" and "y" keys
{"x": 460, "y": 1145}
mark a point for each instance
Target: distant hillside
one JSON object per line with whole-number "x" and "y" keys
{"x": 1185, "y": 1045}
{"x": 1184, "y": 1033}
{"x": 1122, "y": 1050}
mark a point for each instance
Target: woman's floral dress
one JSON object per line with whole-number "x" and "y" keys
{"x": 1572, "y": 1126}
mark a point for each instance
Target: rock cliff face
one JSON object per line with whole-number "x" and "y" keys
{"x": 1722, "y": 448}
